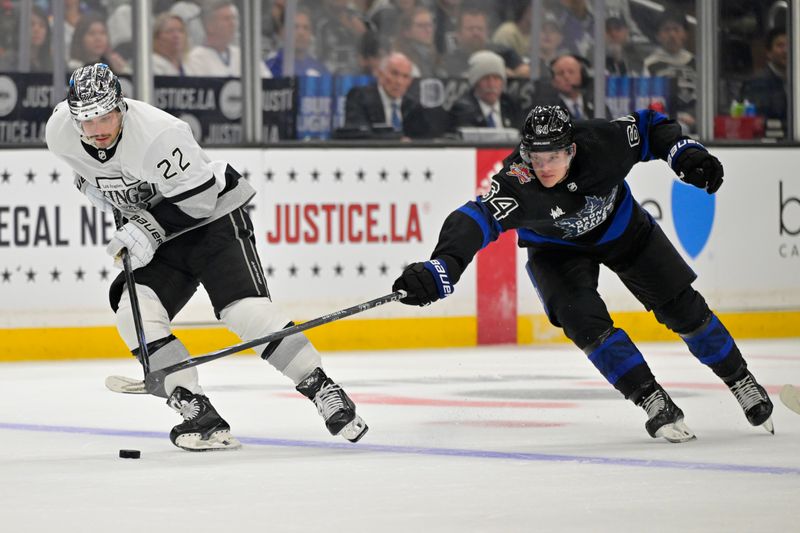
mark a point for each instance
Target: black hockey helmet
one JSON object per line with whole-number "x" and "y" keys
{"x": 547, "y": 128}
{"x": 94, "y": 91}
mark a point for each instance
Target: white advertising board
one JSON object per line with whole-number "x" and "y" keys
{"x": 333, "y": 227}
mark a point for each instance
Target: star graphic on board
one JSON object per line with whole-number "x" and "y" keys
{"x": 337, "y": 175}
{"x": 246, "y": 174}
{"x": 55, "y": 275}
{"x": 314, "y": 175}
{"x": 360, "y": 174}
{"x": 384, "y": 268}
{"x": 6, "y": 276}
{"x": 315, "y": 271}
{"x": 292, "y": 175}
{"x": 338, "y": 269}
{"x": 31, "y": 275}
{"x": 292, "y": 271}
{"x": 30, "y": 175}
{"x": 79, "y": 274}
{"x": 361, "y": 268}
{"x": 270, "y": 271}
{"x": 268, "y": 174}
{"x": 428, "y": 174}
{"x": 104, "y": 274}
{"x": 383, "y": 174}
{"x": 406, "y": 174}
{"x": 6, "y": 176}
{"x": 54, "y": 176}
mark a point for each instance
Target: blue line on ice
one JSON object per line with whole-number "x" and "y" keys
{"x": 421, "y": 450}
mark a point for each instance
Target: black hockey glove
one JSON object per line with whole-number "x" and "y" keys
{"x": 695, "y": 166}
{"x": 426, "y": 282}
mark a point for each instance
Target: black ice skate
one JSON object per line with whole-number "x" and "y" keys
{"x": 666, "y": 418}
{"x": 202, "y": 428}
{"x": 336, "y": 408}
{"x": 754, "y": 400}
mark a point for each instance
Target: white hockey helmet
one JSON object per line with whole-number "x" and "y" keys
{"x": 94, "y": 91}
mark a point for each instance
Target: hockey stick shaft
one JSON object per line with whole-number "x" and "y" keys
{"x": 137, "y": 314}
{"x": 154, "y": 381}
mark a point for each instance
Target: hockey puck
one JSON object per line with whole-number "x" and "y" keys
{"x": 130, "y": 454}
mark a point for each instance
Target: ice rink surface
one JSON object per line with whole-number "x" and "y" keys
{"x": 489, "y": 439}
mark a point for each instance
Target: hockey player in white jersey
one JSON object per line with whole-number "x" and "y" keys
{"x": 186, "y": 224}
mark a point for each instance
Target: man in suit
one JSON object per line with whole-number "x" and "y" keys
{"x": 386, "y": 105}
{"x": 569, "y": 87}
{"x": 486, "y": 105}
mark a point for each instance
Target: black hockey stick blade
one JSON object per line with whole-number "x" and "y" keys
{"x": 154, "y": 381}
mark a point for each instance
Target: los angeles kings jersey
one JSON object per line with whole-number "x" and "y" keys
{"x": 592, "y": 206}
{"x": 156, "y": 173}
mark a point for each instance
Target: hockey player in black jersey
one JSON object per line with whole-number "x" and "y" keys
{"x": 564, "y": 192}
{"x": 186, "y": 225}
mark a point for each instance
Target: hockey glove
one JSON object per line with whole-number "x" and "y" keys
{"x": 140, "y": 248}
{"x": 695, "y": 166}
{"x": 425, "y": 282}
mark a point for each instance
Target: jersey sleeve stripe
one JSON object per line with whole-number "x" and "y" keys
{"x": 191, "y": 192}
{"x": 480, "y": 218}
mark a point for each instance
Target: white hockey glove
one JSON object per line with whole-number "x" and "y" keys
{"x": 140, "y": 248}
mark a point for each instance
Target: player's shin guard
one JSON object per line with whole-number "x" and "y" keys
{"x": 622, "y": 364}
{"x": 163, "y": 347}
{"x": 713, "y": 346}
{"x": 252, "y": 318}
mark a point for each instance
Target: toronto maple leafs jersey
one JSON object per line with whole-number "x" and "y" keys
{"x": 591, "y": 206}
{"x": 156, "y": 173}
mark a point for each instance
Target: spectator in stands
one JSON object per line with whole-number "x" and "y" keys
{"x": 386, "y": 19}
{"x": 569, "y": 87}
{"x": 72, "y": 14}
{"x": 619, "y": 60}
{"x": 516, "y": 33}
{"x": 41, "y": 59}
{"x": 371, "y": 49}
{"x": 577, "y": 25}
{"x": 672, "y": 60}
{"x": 473, "y": 35}
{"x": 550, "y": 44}
{"x": 445, "y": 15}
{"x": 386, "y": 105}
{"x": 90, "y": 45}
{"x": 170, "y": 45}
{"x": 767, "y": 90}
{"x": 305, "y": 64}
{"x": 415, "y": 41}
{"x": 218, "y": 55}
{"x": 192, "y": 16}
{"x": 339, "y": 32}
{"x": 486, "y": 105}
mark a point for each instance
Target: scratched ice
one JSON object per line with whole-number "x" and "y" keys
{"x": 492, "y": 439}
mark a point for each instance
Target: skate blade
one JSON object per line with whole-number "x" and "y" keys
{"x": 676, "y": 432}
{"x": 769, "y": 426}
{"x": 354, "y": 430}
{"x": 790, "y": 397}
{"x": 218, "y": 441}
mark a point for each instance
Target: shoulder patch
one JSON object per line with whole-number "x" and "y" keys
{"x": 521, "y": 172}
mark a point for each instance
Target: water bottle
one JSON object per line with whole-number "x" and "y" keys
{"x": 737, "y": 109}
{"x": 749, "y": 108}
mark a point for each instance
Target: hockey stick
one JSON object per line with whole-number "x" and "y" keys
{"x": 154, "y": 381}
{"x": 790, "y": 396}
{"x": 137, "y": 315}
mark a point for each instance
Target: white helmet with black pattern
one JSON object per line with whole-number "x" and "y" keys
{"x": 94, "y": 91}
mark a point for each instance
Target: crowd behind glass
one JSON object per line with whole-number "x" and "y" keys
{"x": 390, "y": 44}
